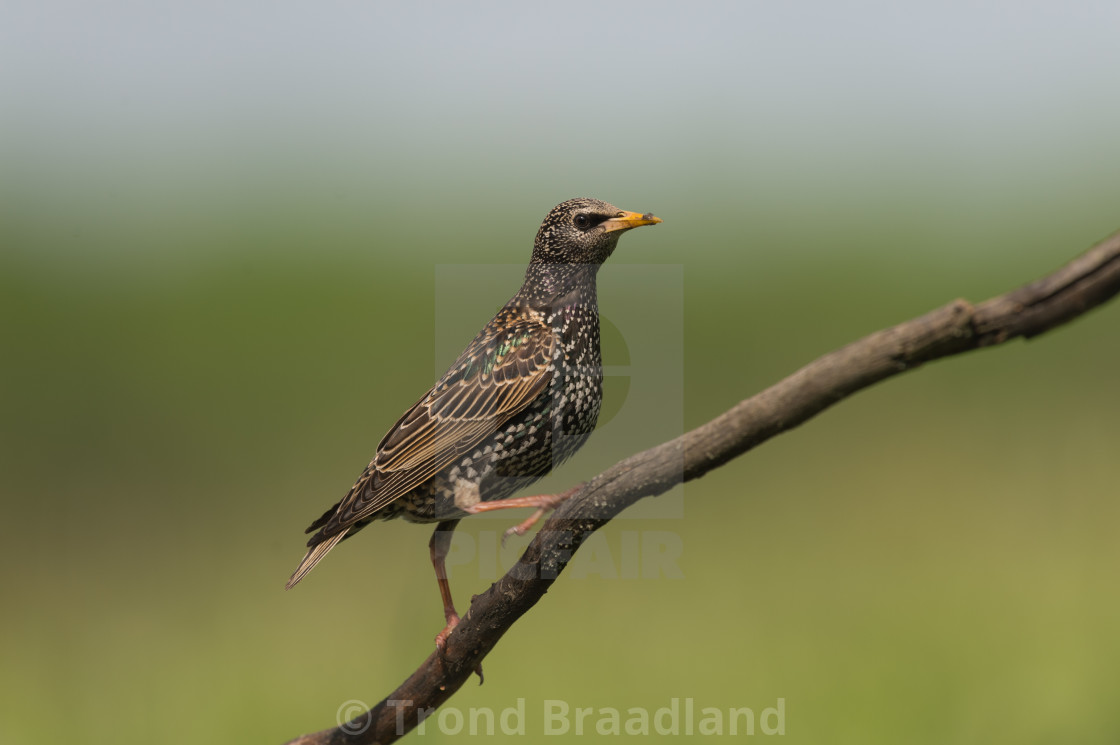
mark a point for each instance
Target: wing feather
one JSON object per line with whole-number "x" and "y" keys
{"x": 503, "y": 371}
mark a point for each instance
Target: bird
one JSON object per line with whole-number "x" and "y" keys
{"x": 522, "y": 397}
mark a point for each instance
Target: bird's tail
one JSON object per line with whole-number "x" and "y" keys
{"x": 314, "y": 556}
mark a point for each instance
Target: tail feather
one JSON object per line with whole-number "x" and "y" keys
{"x": 314, "y": 556}
{"x": 326, "y": 518}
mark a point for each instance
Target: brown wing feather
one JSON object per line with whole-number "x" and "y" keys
{"x": 496, "y": 377}
{"x": 503, "y": 371}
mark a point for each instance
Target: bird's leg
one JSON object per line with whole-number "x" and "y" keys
{"x": 543, "y": 503}
{"x": 438, "y": 547}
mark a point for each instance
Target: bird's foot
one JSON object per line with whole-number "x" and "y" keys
{"x": 441, "y": 641}
{"x": 543, "y": 502}
{"x": 523, "y": 527}
{"x": 441, "y": 637}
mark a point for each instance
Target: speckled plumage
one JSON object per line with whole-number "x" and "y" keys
{"x": 522, "y": 397}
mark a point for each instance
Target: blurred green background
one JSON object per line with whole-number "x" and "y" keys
{"x": 221, "y": 232}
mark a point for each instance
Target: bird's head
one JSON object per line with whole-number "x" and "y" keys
{"x": 584, "y": 231}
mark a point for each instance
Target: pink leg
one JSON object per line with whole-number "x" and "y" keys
{"x": 438, "y": 547}
{"x": 543, "y": 503}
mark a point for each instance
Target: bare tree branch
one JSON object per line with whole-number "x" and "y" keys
{"x": 1079, "y": 286}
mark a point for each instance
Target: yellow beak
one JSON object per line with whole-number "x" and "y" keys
{"x": 627, "y": 220}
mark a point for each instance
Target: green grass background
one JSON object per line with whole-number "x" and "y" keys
{"x": 203, "y": 344}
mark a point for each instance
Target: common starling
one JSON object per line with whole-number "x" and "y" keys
{"x": 522, "y": 397}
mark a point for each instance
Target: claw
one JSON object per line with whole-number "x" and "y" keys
{"x": 523, "y": 527}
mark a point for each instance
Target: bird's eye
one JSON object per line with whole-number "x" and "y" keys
{"x": 582, "y": 221}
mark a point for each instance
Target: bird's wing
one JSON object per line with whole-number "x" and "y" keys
{"x": 496, "y": 377}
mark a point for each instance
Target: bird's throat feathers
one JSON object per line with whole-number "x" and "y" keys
{"x": 559, "y": 285}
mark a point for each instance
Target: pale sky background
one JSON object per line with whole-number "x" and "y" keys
{"x": 122, "y": 120}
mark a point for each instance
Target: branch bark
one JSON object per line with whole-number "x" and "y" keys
{"x": 1079, "y": 286}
